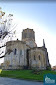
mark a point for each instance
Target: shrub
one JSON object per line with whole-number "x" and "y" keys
{"x": 48, "y": 68}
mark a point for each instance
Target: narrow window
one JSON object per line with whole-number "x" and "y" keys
{"x": 25, "y": 35}
{"x": 39, "y": 57}
{"x": 15, "y": 51}
{"x": 20, "y": 52}
{"x": 34, "y": 57}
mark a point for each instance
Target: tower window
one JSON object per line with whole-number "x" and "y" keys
{"x": 25, "y": 35}
{"x": 34, "y": 57}
{"x": 15, "y": 51}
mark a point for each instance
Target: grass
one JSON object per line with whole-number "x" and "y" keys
{"x": 25, "y": 74}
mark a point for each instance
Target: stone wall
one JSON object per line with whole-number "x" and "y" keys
{"x": 37, "y": 58}
{"x": 18, "y": 58}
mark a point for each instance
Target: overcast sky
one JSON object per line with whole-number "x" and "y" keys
{"x": 38, "y": 16}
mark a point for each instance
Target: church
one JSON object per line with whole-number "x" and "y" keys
{"x": 25, "y": 54}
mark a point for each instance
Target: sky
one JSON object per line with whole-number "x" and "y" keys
{"x": 40, "y": 16}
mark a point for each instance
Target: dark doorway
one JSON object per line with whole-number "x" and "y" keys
{"x": 27, "y": 56}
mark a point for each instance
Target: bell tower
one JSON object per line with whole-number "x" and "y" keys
{"x": 28, "y": 35}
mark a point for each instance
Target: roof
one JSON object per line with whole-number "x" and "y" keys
{"x": 9, "y": 43}
{"x": 42, "y": 48}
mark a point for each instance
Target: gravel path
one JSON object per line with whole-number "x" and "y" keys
{"x": 9, "y": 81}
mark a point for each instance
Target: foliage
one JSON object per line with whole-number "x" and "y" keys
{"x": 0, "y": 71}
{"x": 48, "y": 68}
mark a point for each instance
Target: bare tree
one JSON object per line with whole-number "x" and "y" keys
{"x": 6, "y": 29}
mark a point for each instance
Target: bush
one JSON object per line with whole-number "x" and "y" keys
{"x": 48, "y": 68}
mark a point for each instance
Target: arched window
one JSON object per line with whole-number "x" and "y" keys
{"x": 39, "y": 57}
{"x": 34, "y": 57}
{"x": 20, "y": 52}
{"x": 15, "y": 51}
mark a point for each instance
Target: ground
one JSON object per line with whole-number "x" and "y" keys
{"x": 9, "y": 81}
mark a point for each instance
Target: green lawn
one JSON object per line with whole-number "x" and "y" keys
{"x": 25, "y": 74}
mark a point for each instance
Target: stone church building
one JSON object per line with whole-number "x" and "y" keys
{"x": 25, "y": 53}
